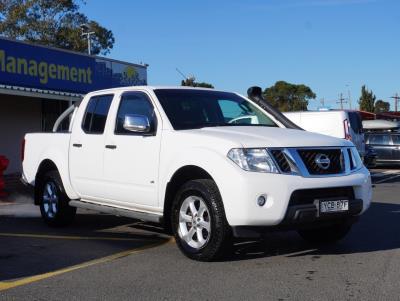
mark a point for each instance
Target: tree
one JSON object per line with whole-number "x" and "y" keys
{"x": 52, "y": 23}
{"x": 289, "y": 97}
{"x": 367, "y": 100}
{"x": 191, "y": 82}
{"x": 381, "y": 106}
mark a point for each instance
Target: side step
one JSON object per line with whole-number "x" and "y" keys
{"x": 144, "y": 216}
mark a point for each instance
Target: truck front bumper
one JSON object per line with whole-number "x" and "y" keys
{"x": 291, "y": 201}
{"x": 303, "y": 217}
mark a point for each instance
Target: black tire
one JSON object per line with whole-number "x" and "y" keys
{"x": 60, "y": 213}
{"x": 326, "y": 235}
{"x": 219, "y": 241}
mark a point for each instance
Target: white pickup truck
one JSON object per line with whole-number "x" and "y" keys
{"x": 209, "y": 165}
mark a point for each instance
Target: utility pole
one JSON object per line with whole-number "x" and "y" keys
{"x": 349, "y": 96}
{"x": 322, "y": 101}
{"x": 341, "y": 101}
{"x": 87, "y": 34}
{"x": 396, "y": 98}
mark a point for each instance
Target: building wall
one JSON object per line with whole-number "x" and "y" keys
{"x": 18, "y": 115}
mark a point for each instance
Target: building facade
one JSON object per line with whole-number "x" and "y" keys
{"x": 38, "y": 83}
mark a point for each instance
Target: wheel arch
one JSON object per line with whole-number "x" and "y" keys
{"x": 182, "y": 175}
{"x": 45, "y": 166}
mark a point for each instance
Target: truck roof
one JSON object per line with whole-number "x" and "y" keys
{"x": 133, "y": 88}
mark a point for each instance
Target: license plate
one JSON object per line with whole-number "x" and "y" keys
{"x": 333, "y": 206}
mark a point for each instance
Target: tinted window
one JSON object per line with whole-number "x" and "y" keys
{"x": 89, "y": 114}
{"x": 379, "y": 139}
{"x": 396, "y": 139}
{"x": 134, "y": 104}
{"x": 355, "y": 122}
{"x": 96, "y": 114}
{"x": 189, "y": 109}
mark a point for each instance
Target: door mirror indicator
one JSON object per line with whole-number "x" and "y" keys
{"x": 136, "y": 123}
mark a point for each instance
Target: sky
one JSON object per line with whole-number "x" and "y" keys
{"x": 333, "y": 46}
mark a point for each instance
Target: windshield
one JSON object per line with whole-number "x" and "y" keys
{"x": 191, "y": 109}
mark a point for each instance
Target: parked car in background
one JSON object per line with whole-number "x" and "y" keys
{"x": 370, "y": 156}
{"x": 380, "y": 125}
{"x": 386, "y": 145}
{"x": 337, "y": 123}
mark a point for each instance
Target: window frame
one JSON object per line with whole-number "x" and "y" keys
{"x": 84, "y": 116}
{"x": 151, "y": 133}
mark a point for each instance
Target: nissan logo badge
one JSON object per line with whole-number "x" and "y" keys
{"x": 322, "y": 161}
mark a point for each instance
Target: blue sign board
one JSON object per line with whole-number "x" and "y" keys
{"x": 27, "y": 65}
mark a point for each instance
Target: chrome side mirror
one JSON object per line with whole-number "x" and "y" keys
{"x": 136, "y": 123}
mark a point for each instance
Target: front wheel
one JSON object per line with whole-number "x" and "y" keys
{"x": 198, "y": 221}
{"x": 325, "y": 235}
{"x": 54, "y": 202}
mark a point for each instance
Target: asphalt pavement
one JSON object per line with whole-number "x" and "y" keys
{"x": 102, "y": 257}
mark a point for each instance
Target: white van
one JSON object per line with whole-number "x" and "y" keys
{"x": 337, "y": 123}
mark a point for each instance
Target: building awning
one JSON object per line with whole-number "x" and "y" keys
{"x": 39, "y": 93}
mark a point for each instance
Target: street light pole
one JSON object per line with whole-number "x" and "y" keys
{"x": 87, "y": 34}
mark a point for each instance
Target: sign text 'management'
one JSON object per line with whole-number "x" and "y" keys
{"x": 43, "y": 70}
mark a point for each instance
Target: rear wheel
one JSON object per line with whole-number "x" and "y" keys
{"x": 325, "y": 235}
{"x": 54, "y": 202}
{"x": 198, "y": 221}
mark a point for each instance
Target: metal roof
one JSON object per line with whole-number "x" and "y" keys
{"x": 39, "y": 93}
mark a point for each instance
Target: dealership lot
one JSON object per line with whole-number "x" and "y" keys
{"x": 105, "y": 257}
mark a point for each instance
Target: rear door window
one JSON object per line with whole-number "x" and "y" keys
{"x": 379, "y": 139}
{"x": 96, "y": 114}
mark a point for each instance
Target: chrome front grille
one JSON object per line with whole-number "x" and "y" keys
{"x": 333, "y": 156}
{"x": 281, "y": 160}
{"x": 314, "y": 162}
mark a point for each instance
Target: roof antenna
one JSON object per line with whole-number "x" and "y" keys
{"x": 181, "y": 73}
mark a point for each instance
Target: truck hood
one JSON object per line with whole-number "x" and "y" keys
{"x": 254, "y": 136}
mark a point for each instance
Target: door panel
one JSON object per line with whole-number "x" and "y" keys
{"x": 131, "y": 165}
{"x": 87, "y": 148}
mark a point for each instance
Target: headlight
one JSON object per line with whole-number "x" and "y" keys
{"x": 253, "y": 159}
{"x": 355, "y": 159}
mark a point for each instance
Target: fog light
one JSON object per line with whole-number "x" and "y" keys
{"x": 261, "y": 200}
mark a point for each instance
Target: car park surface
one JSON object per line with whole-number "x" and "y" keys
{"x": 364, "y": 266}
